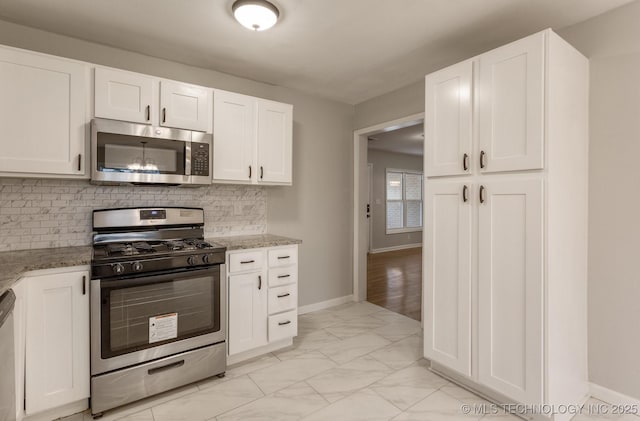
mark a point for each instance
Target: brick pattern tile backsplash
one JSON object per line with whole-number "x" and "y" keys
{"x": 57, "y": 213}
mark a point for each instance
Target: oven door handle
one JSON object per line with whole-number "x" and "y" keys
{"x": 155, "y": 279}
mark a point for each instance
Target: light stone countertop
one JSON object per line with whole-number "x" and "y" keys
{"x": 13, "y": 264}
{"x": 253, "y": 241}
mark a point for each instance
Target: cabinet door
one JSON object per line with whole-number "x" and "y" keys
{"x": 57, "y": 340}
{"x": 510, "y": 324}
{"x": 234, "y": 137}
{"x": 447, "y": 280}
{"x": 123, "y": 96}
{"x": 42, "y": 114}
{"x": 447, "y": 124}
{"x": 247, "y": 311}
{"x": 275, "y": 136}
{"x": 511, "y": 106}
{"x": 184, "y": 106}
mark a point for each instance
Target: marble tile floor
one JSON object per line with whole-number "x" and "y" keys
{"x": 356, "y": 361}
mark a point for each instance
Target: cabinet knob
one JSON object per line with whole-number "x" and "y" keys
{"x": 465, "y": 162}
{"x": 148, "y": 112}
{"x": 482, "y": 163}
{"x": 259, "y": 281}
{"x": 249, "y": 171}
{"x": 482, "y": 194}
{"x": 465, "y": 193}
{"x": 261, "y": 172}
{"x": 164, "y": 115}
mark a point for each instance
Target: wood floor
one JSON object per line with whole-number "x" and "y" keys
{"x": 394, "y": 281}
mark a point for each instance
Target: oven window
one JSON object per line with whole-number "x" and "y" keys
{"x": 131, "y": 154}
{"x": 144, "y": 316}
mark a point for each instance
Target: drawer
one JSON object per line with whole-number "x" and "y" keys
{"x": 283, "y": 276}
{"x": 283, "y": 298}
{"x": 131, "y": 384}
{"x": 246, "y": 260}
{"x": 284, "y": 256}
{"x": 283, "y": 326}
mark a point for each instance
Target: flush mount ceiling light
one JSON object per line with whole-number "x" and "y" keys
{"x": 256, "y": 15}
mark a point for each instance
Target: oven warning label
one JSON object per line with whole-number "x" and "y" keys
{"x": 163, "y": 327}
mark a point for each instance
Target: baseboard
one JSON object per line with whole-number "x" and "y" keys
{"x": 394, "y": 248}
{"x": 325, "y": 304}
{"x": 611, "y": 396}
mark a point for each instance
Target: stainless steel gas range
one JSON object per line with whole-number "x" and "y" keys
{"x": 157, "y": 304}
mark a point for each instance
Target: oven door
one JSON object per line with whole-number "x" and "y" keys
{"x": 136, "y": 153}
{"x": 141, "y": 319}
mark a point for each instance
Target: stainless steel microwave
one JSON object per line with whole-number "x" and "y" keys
{"x": 130, "y": 153}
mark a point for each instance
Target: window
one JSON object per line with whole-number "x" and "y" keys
{"x": 404, "y": 201}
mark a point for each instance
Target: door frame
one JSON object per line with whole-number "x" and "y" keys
{"x": 360, "y": 197}
{"x": 369, "y": 201}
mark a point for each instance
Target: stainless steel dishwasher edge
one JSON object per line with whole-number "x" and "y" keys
{"x": 7, "y": 358}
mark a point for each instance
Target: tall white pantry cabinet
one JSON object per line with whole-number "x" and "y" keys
{"x": 505, "y": 253}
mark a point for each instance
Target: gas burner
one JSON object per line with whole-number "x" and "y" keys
{"x": 134, "y": 247}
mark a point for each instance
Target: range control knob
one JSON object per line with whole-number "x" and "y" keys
{"x": 117, "y": 268}
{"x": 136, "y": 266}
{"x": 192, "y": 260}
{"x": 206, "y": 258}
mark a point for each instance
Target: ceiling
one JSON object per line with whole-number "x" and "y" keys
{"x": 347, "y": 50}
{"x": 408, "y": 140}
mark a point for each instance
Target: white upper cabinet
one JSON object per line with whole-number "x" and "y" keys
{"x": 511, "y": 94}
{"x": 184, "y": 106}
{"x": 43, "y": 114}
{"x": 234, "y": 132}
{"x": 125, "y": 96}
{"x": 252, "y": 140}
{"x": 57, "y": 340}
{"x": 510, "y": 277}
{"x": 275, "y": 135}
{"x": 448, "y": 117}
{"x": 447, "y": 287}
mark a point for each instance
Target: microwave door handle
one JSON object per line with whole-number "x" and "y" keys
{"x": 187, "y": 158}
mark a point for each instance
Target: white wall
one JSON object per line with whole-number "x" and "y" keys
{"x": 393, "y": 105}
{"x": 612, "y": 42}
{"x": 316, "y": 209}
{"x": 382, "y": 160}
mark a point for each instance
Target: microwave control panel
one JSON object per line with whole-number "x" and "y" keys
{"x": 200, "y": 159}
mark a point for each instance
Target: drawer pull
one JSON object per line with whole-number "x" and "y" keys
{"x": 283, "y": 257}
{"x": 283, "y": 276}
{"x": 259, "y": 281}
{"x": 283, "y": 295}
{"x": 284, "y": 323}
{"x": 157, "y": 370}
{"x": 244, "y": 262}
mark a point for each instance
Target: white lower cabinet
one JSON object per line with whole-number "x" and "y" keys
{"x": 263, "y": 299}
{"x": 510, "y": 266}
{"x": 447, "y": 277}
{"x": 247, "y": 310}
{"x": 507, "y": 215}
{"x": 57, "y": 340}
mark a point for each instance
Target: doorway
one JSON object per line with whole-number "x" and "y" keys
{"x": 387, "y": 266}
